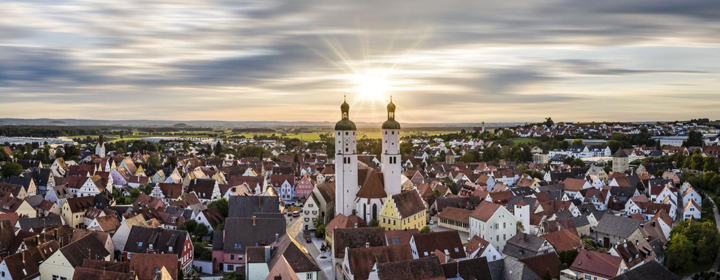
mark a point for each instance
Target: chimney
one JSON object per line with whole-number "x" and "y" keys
{"x": 277, "y": 236}
{"x": 254, "y": 219}
{"x": 367, "y": 244}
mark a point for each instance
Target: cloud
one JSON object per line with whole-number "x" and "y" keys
{"x": 239, "y": 60}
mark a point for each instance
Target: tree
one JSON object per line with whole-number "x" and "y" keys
{"x": 11, "y": 169}
{"x": 154, "y": 162}
{"x": 188, "y": 226}
{"x": 549, "y": 122}
{"x": 374, "y": 223}
{"x": 3, "y": 155}
{"x": 680, "y": 253}
{"x": 201, "y": 230}
{"x": 578, "y": 142}
{"x": 710, "y": 164}
{"x": 320, "y": 231}
{"x": 547, "y": 275}
{"x": 567, "y": 257}
{"x": 218, "y": 149}
{"x": 696, "y": 162}
{"x": 694, "y": 139}
{"x": 425, "y": 229}
{"x": 221, "y": 204}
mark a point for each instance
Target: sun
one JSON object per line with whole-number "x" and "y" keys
{"x": 370, "y": 87}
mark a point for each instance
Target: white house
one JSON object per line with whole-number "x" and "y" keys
{"x": 691, "y": 211}
{"x": 493, "y": 223}
{"x": 690, "y": 194}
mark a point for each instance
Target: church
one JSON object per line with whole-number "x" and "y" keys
{"x": 360, "y": 189}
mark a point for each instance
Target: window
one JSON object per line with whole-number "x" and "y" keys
{"x": 232, "y": 257}
{"x": 140, "y": 244}
{"x": 309, "y": 276}
{"x": 238, "y": 245}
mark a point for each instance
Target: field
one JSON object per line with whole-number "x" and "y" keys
{"x": 521, "y": 140}
{"x": 306, "y": 135}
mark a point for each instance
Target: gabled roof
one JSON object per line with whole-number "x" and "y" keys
{"x": 540, "y": 264}
{"x": 446, "y": 241}
{"x": 597, "y": 263}
{"x": 163, "y": 241}
{"x": 420, "y": 269}
{"x": 363, "y": 259}
{"x": 144, "y": 265}
{"x": 476, "y": 268}
{"x": 485, "y": 211}
{"x": 648, "y": 271}
{"x": 247, "y": 206}
{"x": 617, "y": 226}
{"x": 259, "y": 231}
{"x": 80, "y": 204}
{"x": 355, "y": 238}
{"x": 87, "y": 247}
{"x": 408, "y": 203}
{"x": 371, "y": 183}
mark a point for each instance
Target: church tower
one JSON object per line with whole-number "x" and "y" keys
{"x": 346, "y": 164}
{"x": 100, "y": 148}
{"x": 391, "y": 161}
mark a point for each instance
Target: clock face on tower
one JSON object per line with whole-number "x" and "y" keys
{"x": 347, "y": 140}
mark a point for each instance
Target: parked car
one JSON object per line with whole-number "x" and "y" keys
{"x": 308, "y": 240}
{"x": 296, "y": 214}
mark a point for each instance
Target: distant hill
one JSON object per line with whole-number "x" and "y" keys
{"x": 228, "y": 124}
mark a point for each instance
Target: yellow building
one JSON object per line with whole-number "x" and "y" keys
{"x": 405, "y": 210}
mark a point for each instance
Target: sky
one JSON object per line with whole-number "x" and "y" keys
{"x": 288, "y": 60}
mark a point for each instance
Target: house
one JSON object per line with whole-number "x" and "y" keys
{"x": 455, "y": 218}
{"x": 211, "y": 217}
{"x": 481, "y": 248}
{"x": 285, "y": 256}
{"x": 27, "y": 183}
{"x": 446, "y": 242}
{"x": 418, "y": 269}
{"x": 648, "y": 271}
{"x": 564, "y": 240}
{"x": 594, "y": 265}
{"x": 493, "y": 223}
{"x": 525, "y": 245}
{"x": 146, "y": 240}
{"x": 397, "y": 237}
{"x": 260, "y": 230}
{"x": 148, "y": 266}
{"x": 358, "y": 263}
{"x": 690, "y": 194}
{"x": 344, "y": 239}
{"x": 207, "y": 190}
{"x": 63, "y": 262}
{"x": 310, "y": 212}
{"x": 692, "y": 210}
{"x": 304, "y": 187}
{"x": 73, "y": 210}
{"x": 612, "y": 229}
{"x": 168, "y": 192}
{"x": 94, "y": 185}
{"x": 26, "y": 264}
{"x": 22, "y": 207}
{"x": 405, "y": 210}
{"x": 341, "y": 221}
{"x": 543, "y": 264}
{"x": 123, "y": 231}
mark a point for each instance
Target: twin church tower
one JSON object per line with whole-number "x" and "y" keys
{"x": 360, "y": 187}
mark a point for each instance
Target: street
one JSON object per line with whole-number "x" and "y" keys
{"x": 295, "y": 230}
